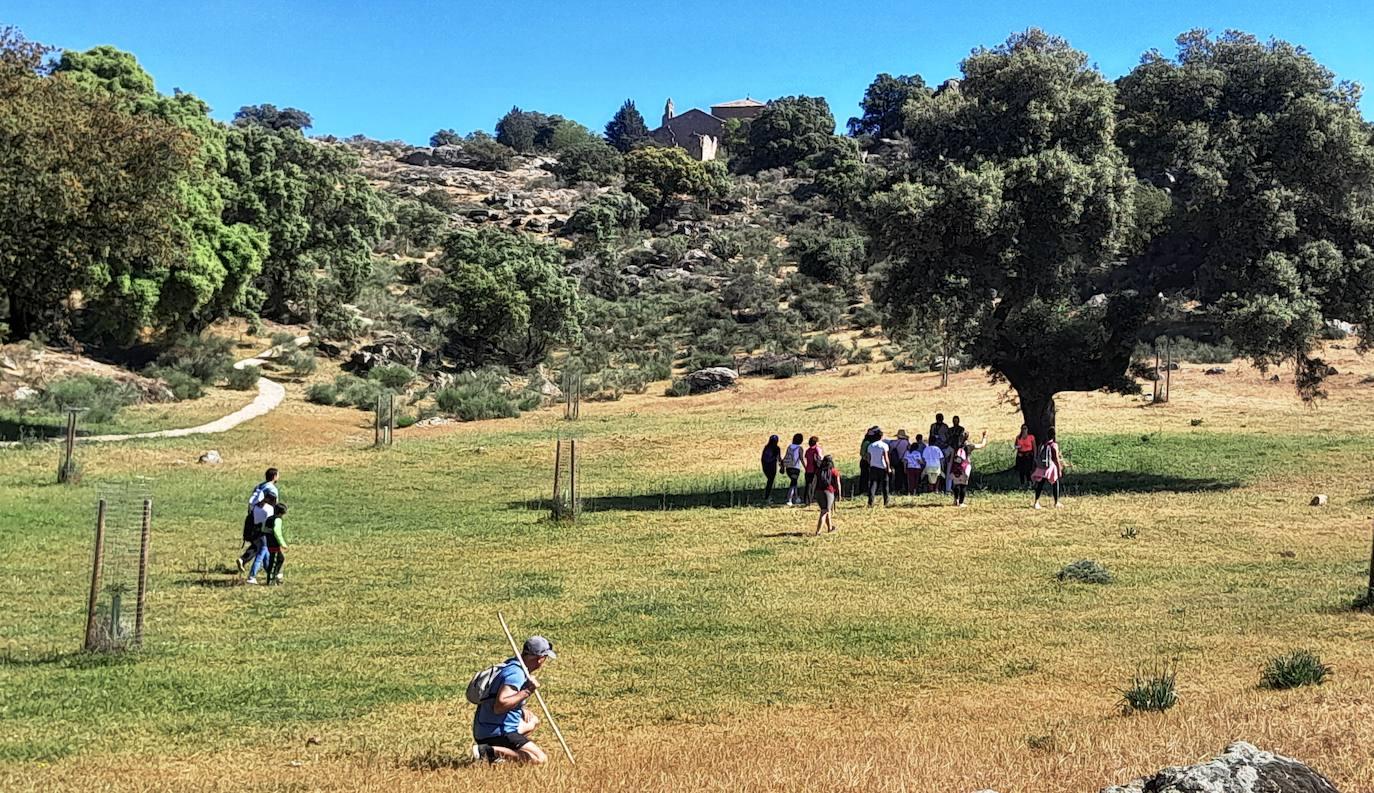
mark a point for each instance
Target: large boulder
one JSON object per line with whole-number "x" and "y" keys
{"x": 389, "y": 349}
{"x": 715, "y": 378}
{"x": 1242, "y": 768}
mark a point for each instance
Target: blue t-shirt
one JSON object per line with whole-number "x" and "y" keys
{"x": 487, "y": 723}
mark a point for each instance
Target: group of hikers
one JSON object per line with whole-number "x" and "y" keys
{"x": 939, "y": 460}
{"x": 264, "y": 533}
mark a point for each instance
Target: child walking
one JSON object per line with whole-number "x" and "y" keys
{"x": 827, "y": 492}
{"x": 276, "y": 544}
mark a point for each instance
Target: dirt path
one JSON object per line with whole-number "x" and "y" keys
{"x": 270, "y": 395}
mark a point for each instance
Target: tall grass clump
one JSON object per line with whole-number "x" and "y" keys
{"x": 1293, "y": 669}
{"x": 1154, "y": 690}
{"x": 1085, "y": 571}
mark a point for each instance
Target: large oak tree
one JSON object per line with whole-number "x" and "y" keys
{"x": 1229, "y": 189}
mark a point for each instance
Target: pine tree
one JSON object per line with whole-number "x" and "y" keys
{"x": 626, "y": 127}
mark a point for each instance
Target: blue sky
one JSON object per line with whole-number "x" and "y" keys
{"x": 405, "y": 69}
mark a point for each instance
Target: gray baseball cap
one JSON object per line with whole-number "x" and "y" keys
{"x": 539, "y": 646}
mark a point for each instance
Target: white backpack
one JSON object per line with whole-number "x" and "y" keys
{"x": 479, "y": 688}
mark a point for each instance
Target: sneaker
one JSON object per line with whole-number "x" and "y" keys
{"x": 278, "y": 578}
{"x": 482, "y": 752}
{"x": 239, "y": 562}
{"x": 251, "y": 581}
{"x": 1036, "y": 505}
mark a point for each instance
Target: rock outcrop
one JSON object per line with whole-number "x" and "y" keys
{"x": 715, "y": 378}
{"x": 1242, "y": 768}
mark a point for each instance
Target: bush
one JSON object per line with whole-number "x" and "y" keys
{"x": 392, "y": 375}
{"x": 677, "y": 388}
{"x": 300, "y": 362}
{"x": 244, "y": 379}
{"x": 282, "y": 338}
{"x": 825, "y": 350}
{"x": 361, "y": 394}
{"x": 322, "y": 394}
{"x": 182, "y": 384}
{"x": 206, "y": 358}
{"x": 1297, "y": 668}
{"x": 102, "y": 397}
{"x": 1150, "y": 691}
{"x": 591, "y": 160}
{"x": 1085, "y": 571}
{"x": 486, "y": 154}
{"x": 858, "y": 354}
{"x": 484, "y": 394}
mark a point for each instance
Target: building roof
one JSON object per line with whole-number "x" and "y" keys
{"x": 745, "y": 102}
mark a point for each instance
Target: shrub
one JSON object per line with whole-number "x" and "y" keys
{"x": 1085, "y": 571}
{"x": 244, "y": 379}
{"x": 282, "y": 338}
{"x": 486, "y": 153}
{"x": 1297, "y": 668}
{"x": 322, "y": 394}
{"x": 1150, "y": 691}
{"x": 183, "y": 385}
{"x": 677, "y": 388}
{"x": 300, "y": 362}
{"x": 392, "y": 375}
{"x": 591, "y": 160}
{"x": 484, "y": 394}
{"x": 361, "y": 394}
{"x": 206, "y": 358}
{"x": 404, "y": 420}
{"x": 858, "y": 354}
{"x": 102, "y": 397}
{"x": 825, "y": 350}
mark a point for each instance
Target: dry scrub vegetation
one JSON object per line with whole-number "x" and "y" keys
{"x": 920, "y": 648}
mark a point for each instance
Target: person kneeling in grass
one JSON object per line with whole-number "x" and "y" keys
{"x": 276, "y": 543}
{"x": 500, "y": 727}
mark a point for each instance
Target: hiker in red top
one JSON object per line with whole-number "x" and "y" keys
{"x": 1025, "y": 456}
{"x": 811, "y": 462}
{"x": 827, "y": 492}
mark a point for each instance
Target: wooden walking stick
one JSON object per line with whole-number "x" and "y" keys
{"x": 543, "y": 705}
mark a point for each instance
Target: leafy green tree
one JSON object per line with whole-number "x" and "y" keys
{"x": 273, "y": 118}
{"x": 486, "y": 153}
{"x": 67, "y": 226}
{"x": 418, "y": 226}
{"x": 528, "y": 131}
{"x": 504, "y": 298}
{"x": 1263, "y": 172}
{"x": 883, "y": 102}
{"x": 831, "y": 251}
{"x": 445, "y": 137}
{"x": 1010, "y": 220}
{"x": 837, "y": 172}
{"x": 566, "y": 134}
{"x": 787, "y": 131}
{"x": 626, "y": 128}
{"x": 659, "y": 175}
{"x": 321, "y": 213}
{"x": 593, "y": 160}
{"x": 211, "y": 279}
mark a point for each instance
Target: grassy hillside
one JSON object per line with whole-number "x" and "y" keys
{"x": 704, "y": 646}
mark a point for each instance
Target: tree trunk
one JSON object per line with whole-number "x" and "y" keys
{"x": 1037, "y": 411}
{"x": 20, "y": 321}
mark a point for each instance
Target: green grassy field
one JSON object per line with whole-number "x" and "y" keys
{"x": 704, "y": 645}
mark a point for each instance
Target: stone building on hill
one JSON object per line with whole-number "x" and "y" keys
{"x": 699, "y": 132}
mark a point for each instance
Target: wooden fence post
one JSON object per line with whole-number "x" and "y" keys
{"x": 143, "y": 571}
{"x": 1369, "y": 594}
{"x": 572, "y": 478}
{"x": 557, "y": 475}
{"x": 97, "y": 562}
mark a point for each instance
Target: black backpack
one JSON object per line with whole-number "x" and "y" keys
{"x": 1046, "y": 458}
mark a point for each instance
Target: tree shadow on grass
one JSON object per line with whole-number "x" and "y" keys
{"x": 1093, "y": 483}
{"x": 73, "y": 659}
{"x": 210, "y": 583}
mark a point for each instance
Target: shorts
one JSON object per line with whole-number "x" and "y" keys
{"x": 932, "y": 474}
{"x": 513, "y": 741}
{"x": 826, "y": 500}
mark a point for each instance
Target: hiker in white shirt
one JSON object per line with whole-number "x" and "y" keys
{"x": 877, "y": 468}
